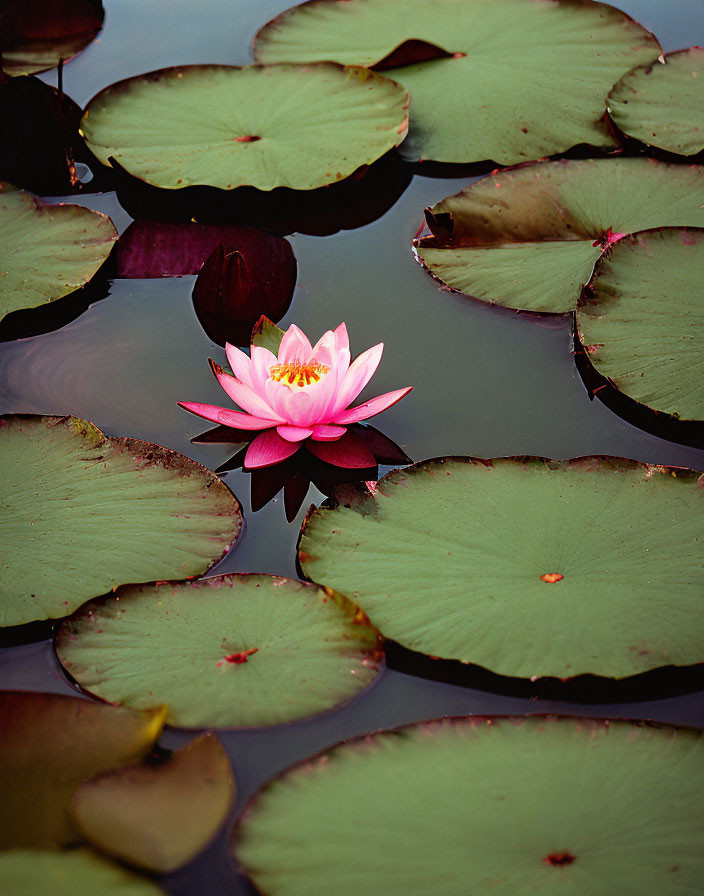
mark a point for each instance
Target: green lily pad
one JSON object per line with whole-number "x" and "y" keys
{"x": 231, "y": 651}
{"x": 642, "y": 320}
{"x": 47, "y": 251}
{"x": 263, "y": 126}
{"x": 528, "y": 238}
{"x": 519, "y": 80}
{"x": 71, "y": 872}
{"x": 528, "y": 567}
{"x": 158, "y": 816}
{"x": 50, "y": 743}
{"x": 662, "y": 105}
{"x": 38, "y": 34}
{"x": 99, "y": 512}
{"x": 503, "y": 806}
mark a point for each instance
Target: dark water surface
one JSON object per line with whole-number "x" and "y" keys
{"x": 488, "y": 382}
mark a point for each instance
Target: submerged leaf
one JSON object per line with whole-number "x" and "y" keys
{"x": 222, "y": 652}
{"x": 662, "y": 103}
{"x": 47, "y": 251}
{"x": 527, "y": 567}
{"x": 158, "y": 816}
{"x": 519, "y": 80}
{"x": 50, "y": 743}
{"x": 642, "y": 320}
{"x": 100, "y": 512}
{"x": 262, "y": 126}
{"x": 503, "y": 806}
{"x": 528, "y": 238}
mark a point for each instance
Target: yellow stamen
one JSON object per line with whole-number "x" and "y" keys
{"x": 293, "y": 373}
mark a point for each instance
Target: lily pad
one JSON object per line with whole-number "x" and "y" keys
{"x": 99, "y": 512}
{"x": 231, "y": 651}
{"x": 263, "y": 126}
{"x": 517, "y": 80}
{"x": 662, "y": 104}
{"x": 71, "y": 872}
{"x": 47, "y": 251}
{"x": 38, "y": 34}
{"x": 528, "y": 238}
{"x": 642, "y": 320}
{"x": 51, "y": 743}
{"x": 528, "y": 567}
{"x": 158, "y": 816}
{"x": 501, "y": 806}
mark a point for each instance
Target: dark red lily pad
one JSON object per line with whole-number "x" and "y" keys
{"x": 37, "y": 34}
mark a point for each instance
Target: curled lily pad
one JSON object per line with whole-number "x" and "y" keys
{"x": 642, "y": 320}
{"x": 662, "y": 103}
{"x": 527, "y": 567}
{"x": 229, "y": 651}
{"x": 516, "y": 80}
{"x": 99, "y": 512}
{"x": 50, "y": 743}
{"x": 263, "y": 126}
{"x": 47, "y": 251}
{"x": 158, "y": 816}
{"x": 499, "y": 806}
{"x": 70, "y": 872}
{"x": 38, "y": 34}
{"x": 528, "y": 238}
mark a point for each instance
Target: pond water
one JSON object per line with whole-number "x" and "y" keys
{"x": 488, "y": 382}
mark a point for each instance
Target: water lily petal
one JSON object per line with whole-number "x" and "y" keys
{"x": 325, "y": 351}
{"x": 342, "y": 340}
{"x": 241, "y": 364}
{"x": 293, "y": 433}
{"x": 225, "y": 416}
{"x": 267, "y": 449}
{"x": 295, "y": 346}
{"x": 295, "y": 407}
{"x": 348, "y": 451}
{"x": 246, "y": 398}
{"x": 361, "y": 371}
{"x": 371, "y": 407}
{"x": 325, "y": 433}
{"x": 262, "y": 360}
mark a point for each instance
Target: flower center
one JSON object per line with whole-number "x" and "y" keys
{"x": 293, "y": 373}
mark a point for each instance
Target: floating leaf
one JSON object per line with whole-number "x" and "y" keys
{"x": 663, "y": 105}
{"x": 99, "y": 512}
{"x": 222, "y": 652}
{"x": 73, "y": 872}
{"x": 519, "y": 80}
{"x": 51, "y": 743}
{"x": 47, "y": 251}
{"x": 235, "y": 289}
{"x": 501, "y": 806}
{"x": 642, "y": 320}
{"x": 38, "y": 34}
{"x": 526, "y": 567}
{"x": 263, "y": 126}
{"x": 158, "y": 816}
{"x": 528, "y": 238}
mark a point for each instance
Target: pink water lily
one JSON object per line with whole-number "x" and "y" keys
{"x": 301, "y": 395}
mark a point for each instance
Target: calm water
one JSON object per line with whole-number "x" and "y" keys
{"x": 507, "y": 385}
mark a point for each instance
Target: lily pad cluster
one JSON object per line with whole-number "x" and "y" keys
{"x": 547, "y": 237}
{"x": 505, "y": 80}
{"x": 76, "y": 771}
